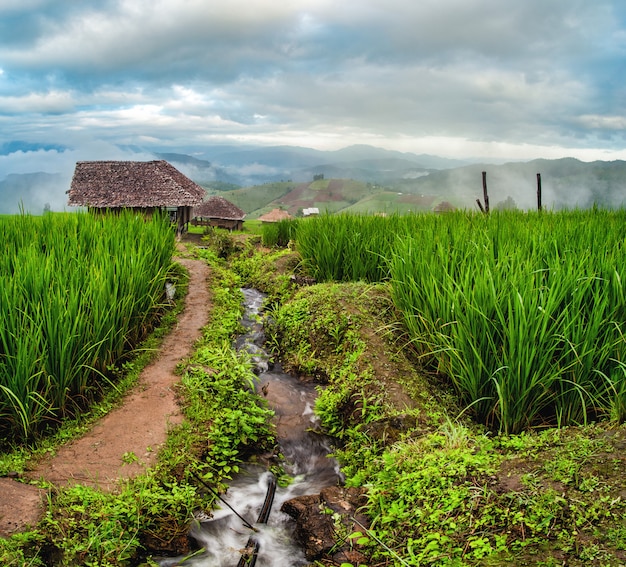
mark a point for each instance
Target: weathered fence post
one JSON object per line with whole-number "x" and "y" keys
{"x": 485, "y": 208}
{"x": 485, "y": 196}
{"x": 539, "y": 192}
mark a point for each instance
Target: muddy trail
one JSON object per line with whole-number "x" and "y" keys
{"x": 139, "y": 426}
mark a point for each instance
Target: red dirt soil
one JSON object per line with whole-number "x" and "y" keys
{"x": 138, "y": 427}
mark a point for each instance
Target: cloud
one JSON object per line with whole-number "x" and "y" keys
{"x": 52, "y": 102}
{"x": 476, "y": 75}
{"x": 595, "y": 122}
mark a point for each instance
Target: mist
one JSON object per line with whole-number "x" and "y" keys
{"x": 32, "y": 181}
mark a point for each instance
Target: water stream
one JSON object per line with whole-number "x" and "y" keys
{"x": 225, "y": 535}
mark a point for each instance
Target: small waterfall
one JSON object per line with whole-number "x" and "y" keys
{"x": 225, "y": 535}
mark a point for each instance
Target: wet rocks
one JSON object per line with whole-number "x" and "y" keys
{"x": 323, "y": 520}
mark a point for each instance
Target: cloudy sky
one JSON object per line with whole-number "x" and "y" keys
{"x": 515, "y": 79}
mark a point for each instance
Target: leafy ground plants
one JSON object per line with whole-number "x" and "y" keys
{"x": 442, "y": 490}
{"x": 225, "y": 424}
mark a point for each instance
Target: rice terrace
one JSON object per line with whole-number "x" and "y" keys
{"x": 470, "y": 368}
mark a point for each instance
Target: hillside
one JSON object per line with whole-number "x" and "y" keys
{"x": 364, "y": 179}
{"x": 328, "y": 195}
{"x": 566, "y": 184}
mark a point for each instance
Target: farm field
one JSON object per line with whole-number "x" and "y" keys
{"x": 525, "y": 313}
{"x": 510, "y": 447}
{"x": 78, "y": 293}
{"x": 438, "y": 484}
{"x": 329, "y": 196}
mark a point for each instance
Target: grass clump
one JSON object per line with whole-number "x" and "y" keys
{"x": 523, "y": 312}
{"x": 78, "y": 293}
{"x": 225, "y": 424}
{"x": 442, "y": 490}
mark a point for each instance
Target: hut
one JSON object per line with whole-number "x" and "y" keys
{"x": 145, "y": 186}
{"x": 275, "y": 215}
{"x": 444, "y": 207}
{"x": 217, "y": 211}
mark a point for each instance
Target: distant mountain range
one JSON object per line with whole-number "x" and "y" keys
{"x": 369, "y": 179}
{"x": 253, "y": 166}
{"x": 566, "y": 183}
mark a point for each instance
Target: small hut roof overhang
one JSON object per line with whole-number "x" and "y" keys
{"x": 132, "y": 184}
{"x": 216, "y": 207}
{"x": 275, "y": 215}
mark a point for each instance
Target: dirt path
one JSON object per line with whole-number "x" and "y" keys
{"x": 136, "y": 429}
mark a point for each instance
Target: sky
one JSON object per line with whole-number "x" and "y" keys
{"x": 496, "y": 79}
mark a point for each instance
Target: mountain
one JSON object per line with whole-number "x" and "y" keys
{"x": 18, "y": 146}
{"x": 201, "y": 171}
{"x": 367, "y": 179}
{"x": 566, "y": 183}
{"x": 269, "y": 164}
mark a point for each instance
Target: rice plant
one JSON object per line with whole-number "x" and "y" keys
{"x": 279, "y": 233}
{"x": 524, "y": 312}
{"x": 77, "y": 292}
{"x": 349, "y": 247}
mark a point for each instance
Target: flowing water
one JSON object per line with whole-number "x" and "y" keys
{"x": 225, "y": 534}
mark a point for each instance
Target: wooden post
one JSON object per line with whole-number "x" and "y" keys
{"x": 539, "y": 192}
{"x": 485, "y": 196}
{"x": 480, "y": 205}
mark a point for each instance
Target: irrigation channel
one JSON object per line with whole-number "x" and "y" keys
{"x": 252, "y": 499}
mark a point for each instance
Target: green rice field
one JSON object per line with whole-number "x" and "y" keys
{"x": 77, "y": 293}
{"x": 524, "y": 313}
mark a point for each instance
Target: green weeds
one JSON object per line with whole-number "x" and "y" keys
{"x": 225, "y": 424}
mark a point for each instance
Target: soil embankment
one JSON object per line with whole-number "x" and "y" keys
{"x": 126, "y": 442}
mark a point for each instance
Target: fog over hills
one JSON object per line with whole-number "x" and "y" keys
{"x": 34, "y": 177}
{"x": 32, "y": 193}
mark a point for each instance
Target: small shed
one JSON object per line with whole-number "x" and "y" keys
{"x": 275, "y": 215}
{"x": 444, "y": 207}
{"x": 145, "y": 186}
{"x": 219, "y": 212}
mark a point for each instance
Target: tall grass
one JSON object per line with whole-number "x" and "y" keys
{"x": 76, "y": 293}
{"x": 279, "y": 233}
{"x": 349, "y": 247}
{"x": 524, "y": 312}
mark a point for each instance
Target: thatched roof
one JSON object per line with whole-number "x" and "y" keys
{"x": 132, "y": 184}
{"x": 216, "y": 207}
{"x": 275, "y": 215}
